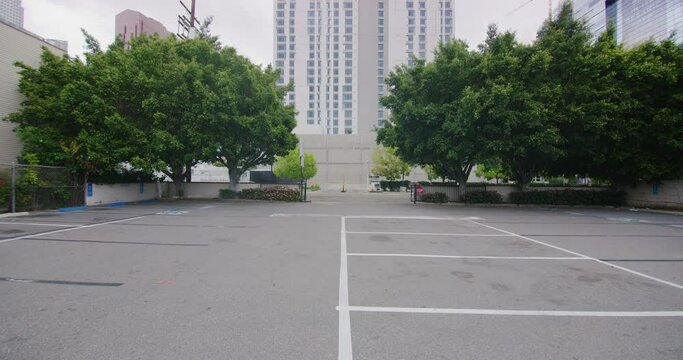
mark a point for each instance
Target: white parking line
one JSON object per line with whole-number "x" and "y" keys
{"x": 380, "y": 309}
{"x": 472, "y": 256}
{"x": 404, "y": 217}
{"x": 37, "y": 224}
{"x": 345, "y": 348}
{"x": 425, "y": 234}
{"x": 305, "y": 215}
{"x": 662, "y": 281}
{"x": 70, "y": 229}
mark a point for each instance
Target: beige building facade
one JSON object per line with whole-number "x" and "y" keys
{"x": 15, "y": 45}
{"x": 130, "y": 24}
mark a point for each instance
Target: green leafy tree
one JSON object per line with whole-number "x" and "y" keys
{"x": 65, "y": 119}
{"x": 250, "y": 124}
{"x": 289, "y": 166}
{"x": 170, "y": 101}
{"x": 386, "y": 163}
{"x": 651, "y": 142}
{"x": 511, "y": 110}
{"x": 431, "y": 173}
{"x": 427, "y": 125}
{"x": 491, "y": 170}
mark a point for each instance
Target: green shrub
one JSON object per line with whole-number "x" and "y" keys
{"x": 275, "y": 193}
{"x": 393, "y": 185}
{"x": 4, "y": 195}
{"x": 437, "y": 197}
{"x": 569, "y": 197}
{"x": 314, "y": 187}
{"x": 481, "y": 197}
{"x": 227, "y": 193}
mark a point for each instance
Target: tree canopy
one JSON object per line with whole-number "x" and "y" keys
{"x": 158, "y": 104}
{"x": 289, "y": 166}
{"x": 566, "y": 104}
{"x": 385, "y": 163}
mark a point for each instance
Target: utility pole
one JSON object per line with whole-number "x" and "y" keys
{"x": 186, "y": 22}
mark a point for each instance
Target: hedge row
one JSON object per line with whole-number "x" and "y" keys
{"x": 437, "y": 197}
{"x": 393, "y": 185}
{"x": 481, "y": 197}
{"x": 569, "y": 197}
{"x": 275, "y": 193}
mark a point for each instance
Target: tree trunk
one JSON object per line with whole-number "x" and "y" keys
{"x": 462, "y": 183}
{"x": 523, "y": 178}
{"x": 177, "y": 175}
{"x": 235, "y": 174}
{"x": 188, "y": 172}
{"x": 178, "y": 184}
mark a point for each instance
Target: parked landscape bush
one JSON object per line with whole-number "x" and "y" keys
{"x": 569, "y": 197}
{"x": 481, "y": 197}
{"x": 275, "y": 193}
{"x": 227, "y": 193}
{"x": 437, "y": 197}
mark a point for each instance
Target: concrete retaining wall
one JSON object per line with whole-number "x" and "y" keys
{"x": 103, "y": 194}
{"x": 667, "y": 194}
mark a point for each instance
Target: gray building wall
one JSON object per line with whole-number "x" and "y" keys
{"x": 346, "y": 160}
{"x": 15, "y": 45}
{"x": 636, "y": 20}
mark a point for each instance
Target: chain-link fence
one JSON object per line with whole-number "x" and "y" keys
{"x": 34, "y": 187}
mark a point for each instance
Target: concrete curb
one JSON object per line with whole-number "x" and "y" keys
{"x": 538, "y": 206}
{"x": 668, "y": 212}
{"x": 24, "y": 213}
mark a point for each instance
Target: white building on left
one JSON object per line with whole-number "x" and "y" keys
{"x": 16, "y": 44}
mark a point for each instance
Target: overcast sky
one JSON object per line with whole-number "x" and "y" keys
{"x": 248, "y": 24}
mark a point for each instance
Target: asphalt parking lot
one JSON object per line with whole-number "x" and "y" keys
{"x": 343, "y": 277}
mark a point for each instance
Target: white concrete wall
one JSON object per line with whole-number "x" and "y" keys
{"x": 103, "y": 194}
{"x": 669, "y": 194}
{"x": 15, "y": 45}
{"x": 206, "y": 190}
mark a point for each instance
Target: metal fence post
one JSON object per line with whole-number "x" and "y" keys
{"x": 14, "y": 187}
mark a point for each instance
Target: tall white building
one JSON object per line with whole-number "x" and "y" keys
{"x": 338, "y": 53}
{"x": 12, "y": 12}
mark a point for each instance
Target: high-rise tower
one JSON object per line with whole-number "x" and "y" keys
{"x": 12, "y": 12}
{"x": 338, "y": 53}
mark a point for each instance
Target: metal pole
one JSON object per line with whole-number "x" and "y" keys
{"x": 192, "y": 13}
{"x": 14, "y": 187}
{"x": 302, "y": 191}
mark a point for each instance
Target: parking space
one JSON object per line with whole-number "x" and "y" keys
{"x": 505, "y": 287}
{"x": 340, "y": 279}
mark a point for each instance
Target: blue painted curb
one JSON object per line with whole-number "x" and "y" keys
{"x": 117, "y": 204}
{"x": 75, "y": 208}
{"x": 150, "y": 201}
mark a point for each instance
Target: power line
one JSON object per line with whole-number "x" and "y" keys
{"x": 519, "y": 7}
